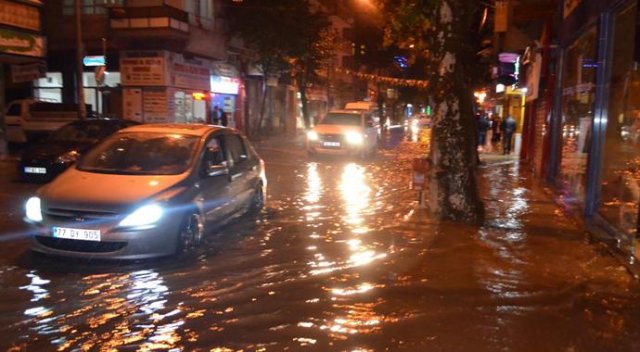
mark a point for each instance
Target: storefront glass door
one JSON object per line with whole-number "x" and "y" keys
{"x": 578, "y": 97}
{"x": 620, "y": 192}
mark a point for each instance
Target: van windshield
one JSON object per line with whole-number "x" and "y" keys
{"x": 342, "y": 119}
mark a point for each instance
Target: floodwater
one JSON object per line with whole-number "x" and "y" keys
{"x": 342, "y": 260}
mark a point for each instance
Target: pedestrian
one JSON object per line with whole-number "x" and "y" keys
{"x": 508, "y": 128}
{"x": 495, "y": 128}
{"x": 215, "y": 116}
{"x": 483, "y": 127}
{"x": 224, "y": 120}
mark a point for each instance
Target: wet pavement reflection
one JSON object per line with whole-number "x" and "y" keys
{"x": 342, "y": 260}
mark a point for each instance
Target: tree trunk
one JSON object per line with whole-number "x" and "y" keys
{"x": 452, "y": 182}
{"x": 302, "y": 88}
{"x": 263, "y": 103}
{"x": 380, "y": 102}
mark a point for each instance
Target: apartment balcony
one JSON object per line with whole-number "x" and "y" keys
{"x": 161, "y": 23}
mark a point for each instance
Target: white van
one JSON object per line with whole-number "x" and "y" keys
{"x": 26, "y": 119}
{"x": 367, "y": 106}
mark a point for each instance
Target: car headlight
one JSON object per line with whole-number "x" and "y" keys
{"x": 354, "y": 138}
{"x": 145, "y": 215}
{"x": 33, "y": 210}
{"x": 312, "y": 135}
{"x": 68, "y": 157}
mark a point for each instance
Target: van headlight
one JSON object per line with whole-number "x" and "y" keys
{"x": 354, "y": 138}
{"x": 145, "y": 215}
{"x": 312, "y": 135}
{"x": 33, "y": 209}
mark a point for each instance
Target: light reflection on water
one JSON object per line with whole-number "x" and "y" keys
{"x": 346, "y": 263}
{"x": 108, "y": 302}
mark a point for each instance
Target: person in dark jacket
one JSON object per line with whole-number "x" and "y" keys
{"x": 224, "y": 120}
{"x": 483, "y": 126}
{"x": 215, "y": 115}
{"x": 495, "y": 129}
{"x": 508, "y": 128}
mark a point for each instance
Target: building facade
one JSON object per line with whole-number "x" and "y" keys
{"x": 22, "y": 51}
{"x": 159, "y": 57}
{"x": 585, "y": 122}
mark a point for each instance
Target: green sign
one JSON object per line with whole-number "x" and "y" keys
{"x": 19, "y": 43}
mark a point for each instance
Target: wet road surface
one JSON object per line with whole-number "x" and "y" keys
{"x": 342, "y": 260}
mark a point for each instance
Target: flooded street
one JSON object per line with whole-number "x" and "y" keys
{"x": 342, "y": 260}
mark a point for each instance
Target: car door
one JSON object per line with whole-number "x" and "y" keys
{"x": 370, "y": 131}
{"x": 215, "y": 182}
{"x": 242, "y": 170}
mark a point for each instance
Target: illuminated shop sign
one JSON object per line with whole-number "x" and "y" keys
{"x": 225, "y": 85}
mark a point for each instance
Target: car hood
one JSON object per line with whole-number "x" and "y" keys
{"x": 51, "y": 150}
{"x": 75, "y": 189}
{"x": 336, "y": 129}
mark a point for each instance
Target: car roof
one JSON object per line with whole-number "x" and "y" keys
{"x": 179, "y": 128}
{"x": 92, "y": 120}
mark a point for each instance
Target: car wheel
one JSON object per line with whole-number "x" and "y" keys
{"x": 191, "y": 233}
{"x": 257, "y": 201}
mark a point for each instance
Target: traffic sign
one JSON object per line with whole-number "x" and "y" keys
{"x": 95, "y": 60}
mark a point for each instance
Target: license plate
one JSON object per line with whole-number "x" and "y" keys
{"x": 331, "y": 144}
{"x": 34, "y": 170}
{"x": 76, "y": 234}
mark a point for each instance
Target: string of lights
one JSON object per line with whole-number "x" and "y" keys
{"x": 402, "y": 82}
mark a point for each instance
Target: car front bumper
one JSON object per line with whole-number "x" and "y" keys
{"x": 115, "y": 243}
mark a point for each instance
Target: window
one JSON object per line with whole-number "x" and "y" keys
{"x": 49, "y": 88}
{"x": 620, "y": 190}
{"x": 236, "y": 149}
{"x": 578, "y": 97}
{"x": 213, "y": 154}
{"x": 90, "y": 7}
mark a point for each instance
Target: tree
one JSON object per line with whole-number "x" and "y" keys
{"x": 445, "y": 32}
{"x": 307, "y": 65}
{"x": 281, "y": 33}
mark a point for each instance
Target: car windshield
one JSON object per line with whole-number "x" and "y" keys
{"x": 83, "y": 132}
{"x": 141, "y": 153}
{"x": 342, "y": 119}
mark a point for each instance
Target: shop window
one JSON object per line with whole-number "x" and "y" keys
{"x": 578, "y": 97}
{"x": 49, "y": 88}
{"x": 620, "y": 192}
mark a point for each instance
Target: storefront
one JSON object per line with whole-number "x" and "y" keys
{"x": 595, "y": 148}
{"x": 225, "y": 87}
{"x": 161, "y": 86}
{"x": 619, "y": 195}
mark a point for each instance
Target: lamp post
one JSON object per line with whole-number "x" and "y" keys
{"x": 82, "y": 109}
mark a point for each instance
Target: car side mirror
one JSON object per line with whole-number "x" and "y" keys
{"x": 217, "y": 169}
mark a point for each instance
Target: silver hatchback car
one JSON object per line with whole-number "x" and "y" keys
{"x": 147, "y": 191}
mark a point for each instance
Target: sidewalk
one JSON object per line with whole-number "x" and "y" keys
{"x": 505, "y": 171}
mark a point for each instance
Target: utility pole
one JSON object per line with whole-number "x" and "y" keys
{"x": 82, "y": 109}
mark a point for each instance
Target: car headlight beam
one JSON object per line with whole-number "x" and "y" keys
{"x": 354, "y": 138}
{"x": 33, "y": 209}
{"x": 312, "y": 135}
{"x": 145, "y": 215}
